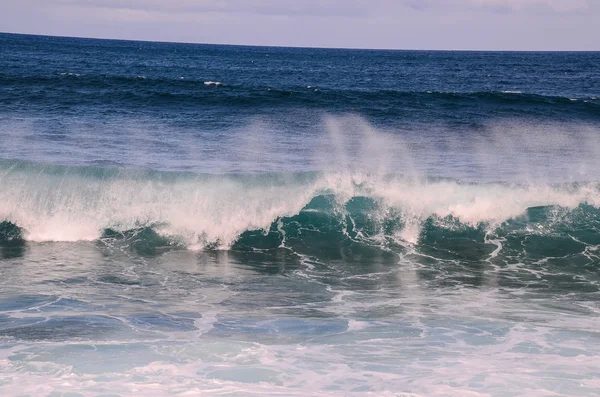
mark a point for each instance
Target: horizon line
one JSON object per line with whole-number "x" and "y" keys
{"x": 283, "y": 46}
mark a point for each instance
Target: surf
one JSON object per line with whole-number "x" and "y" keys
{"x": 72, "y": 203}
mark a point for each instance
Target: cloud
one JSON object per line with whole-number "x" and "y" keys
{"x": 263, "y": 7}
{"x": 406, "y": 24}
{"x": 554, "y": 5}
{"x": 307, "y": 8}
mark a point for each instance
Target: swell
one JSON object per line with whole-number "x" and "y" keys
{"x": 311, "y": 213}
{"x": 68, "y": 89}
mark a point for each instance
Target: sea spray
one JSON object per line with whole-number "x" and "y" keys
{"x": 54, "y": 203}
{"x": 416, "y": 223}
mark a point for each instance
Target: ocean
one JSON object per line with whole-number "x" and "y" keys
{"x": 206, "y": 220}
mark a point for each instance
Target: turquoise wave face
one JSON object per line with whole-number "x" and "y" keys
{"x": 335, "y": 224}
{"x": 572, "y": 237}
{"x": 218, "y": 220}
{"x": 546, "y": 248}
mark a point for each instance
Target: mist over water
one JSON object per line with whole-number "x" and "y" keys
{"x": 495, "y": 176}
{"x": 238, "y": 221}
{"x": 500, "y": 151}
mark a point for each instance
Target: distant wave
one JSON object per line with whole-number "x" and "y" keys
{"x": 101, "y": 89}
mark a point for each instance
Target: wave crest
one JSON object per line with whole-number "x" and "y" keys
{"x": 51, "y": 203}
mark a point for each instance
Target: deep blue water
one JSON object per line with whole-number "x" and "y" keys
{"x": 182, "y": 219}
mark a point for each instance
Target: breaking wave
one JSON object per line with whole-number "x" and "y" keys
{"x": 310, "y": 212}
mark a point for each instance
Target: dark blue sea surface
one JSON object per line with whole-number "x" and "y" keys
{"x": 185, "y": 219}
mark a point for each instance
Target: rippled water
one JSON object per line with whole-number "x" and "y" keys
{"x": 215, "y": 220}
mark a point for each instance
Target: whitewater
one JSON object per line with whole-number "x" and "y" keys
{"x": 47, "y": 202}
{"x": 199, "y": 220}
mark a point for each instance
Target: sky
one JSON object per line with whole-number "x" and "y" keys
{"x": 393, "y": 24}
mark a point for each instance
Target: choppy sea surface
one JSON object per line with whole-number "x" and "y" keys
{"x": 181, "y": 219}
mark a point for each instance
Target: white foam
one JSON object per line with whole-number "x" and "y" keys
{"x": 355, "y": 159}
{"x": 71, "y": 207}
{"x": 215, "y": 83}
{"x": 470, "y": 344}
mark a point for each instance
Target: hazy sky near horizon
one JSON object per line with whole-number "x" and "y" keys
{"x": 402, "y": 24}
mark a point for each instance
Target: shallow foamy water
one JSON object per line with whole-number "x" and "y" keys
{"x": 80, "y": 318}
